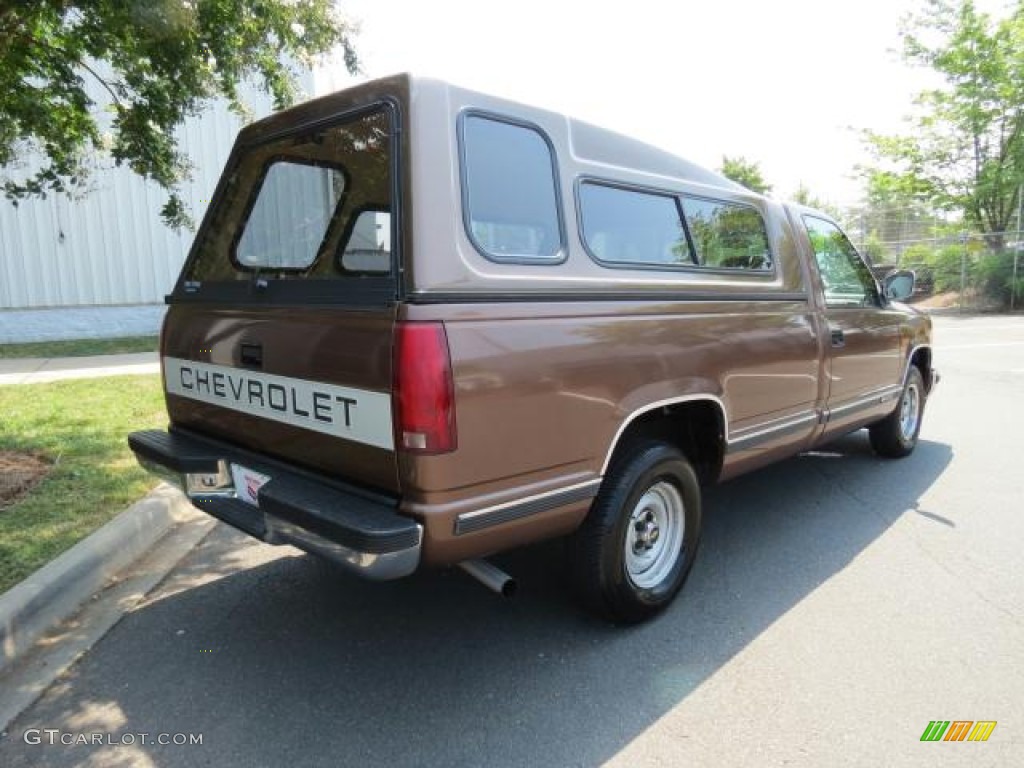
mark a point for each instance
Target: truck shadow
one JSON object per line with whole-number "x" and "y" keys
{"x": 291, "y": 662}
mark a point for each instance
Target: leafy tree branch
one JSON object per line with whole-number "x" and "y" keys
{"x": 964, "y": 151}
{"x": 745, "y": 172}
{"x": 160, "y": 61}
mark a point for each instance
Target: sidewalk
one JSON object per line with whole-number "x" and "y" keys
{"x": 60, "y": 323}
{"x": 36, "y": 370}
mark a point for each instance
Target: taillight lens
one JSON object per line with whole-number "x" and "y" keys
{"x": 424, "y": 392}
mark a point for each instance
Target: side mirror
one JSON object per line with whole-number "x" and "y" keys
{"x": 899, "y": 285}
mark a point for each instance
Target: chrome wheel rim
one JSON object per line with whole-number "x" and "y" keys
{"x": 654, "y": 535}
{"x": 910, "y": 411}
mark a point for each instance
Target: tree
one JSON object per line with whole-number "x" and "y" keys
{"x": 160, "y": 61}
{"x": 745, "y": 172}
{"x": 965, "y": 151}
{"x": 804, "y": 196}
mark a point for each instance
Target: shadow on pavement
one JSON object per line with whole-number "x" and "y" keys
{"x": 290, "y": 662}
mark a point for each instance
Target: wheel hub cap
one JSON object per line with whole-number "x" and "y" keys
{"x": 647, "y": 533}
{"x": 910, "y": 412}
{"x": 654, "y": 536}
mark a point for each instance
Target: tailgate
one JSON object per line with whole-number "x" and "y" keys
{"x": 308, "y": 386}
{"x": 280, "y": 332}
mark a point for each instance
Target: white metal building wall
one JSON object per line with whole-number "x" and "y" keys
{"x": 111, "y": 247}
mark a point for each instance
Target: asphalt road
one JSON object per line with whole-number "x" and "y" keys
{"x": 840, "y": 602}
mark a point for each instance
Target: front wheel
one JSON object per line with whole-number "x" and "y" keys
{"x": 634, "y": 551}
{"x": 895, "y": 436}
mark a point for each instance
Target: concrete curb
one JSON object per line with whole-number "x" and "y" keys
{"x": 57, "y": 590}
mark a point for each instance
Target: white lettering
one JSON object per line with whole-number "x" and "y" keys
{"x": 53, "y": 736}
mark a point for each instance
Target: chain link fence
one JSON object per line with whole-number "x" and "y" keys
{"x": 961, "y": 272}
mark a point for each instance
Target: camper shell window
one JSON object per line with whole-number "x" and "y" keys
{"x": 510, "y": 196}
{"x": 290, "y": 215}
{"x": 304, "y": 206}
{"x": 630, "y": 227}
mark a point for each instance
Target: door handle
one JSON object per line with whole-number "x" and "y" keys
{"x": 838, "y": 338}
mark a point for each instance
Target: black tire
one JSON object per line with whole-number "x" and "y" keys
{"x": 895, "y": 436}
{"x": 615, "y": 584}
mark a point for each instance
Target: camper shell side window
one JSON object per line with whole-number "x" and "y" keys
{"x": 626, "y": 226}
{"x": 511, "y": 204}
{"x": 629, "y": 227}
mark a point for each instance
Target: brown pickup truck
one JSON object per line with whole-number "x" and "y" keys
{"x": 420, "y": 325}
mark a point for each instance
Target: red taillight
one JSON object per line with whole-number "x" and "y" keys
{"x": 424, "y": 393}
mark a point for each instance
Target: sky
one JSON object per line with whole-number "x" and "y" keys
{"x": 787, "y": 83}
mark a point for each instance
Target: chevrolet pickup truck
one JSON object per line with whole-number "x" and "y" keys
{"x": 420, "y": 325}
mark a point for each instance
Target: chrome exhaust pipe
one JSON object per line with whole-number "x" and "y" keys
{"x": 491, "y": 576}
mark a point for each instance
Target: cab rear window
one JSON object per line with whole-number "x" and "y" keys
{"x": 315, "y": 203}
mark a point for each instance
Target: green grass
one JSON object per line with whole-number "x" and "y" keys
{"x": 80, "y": 347}
{"x": 82, "y": 426}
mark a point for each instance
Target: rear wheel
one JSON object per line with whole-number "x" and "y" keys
{"x": 895, "y": 436}
{"x": 635, "y": 549}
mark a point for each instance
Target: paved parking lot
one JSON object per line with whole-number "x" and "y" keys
{"x": 839, "y": 604}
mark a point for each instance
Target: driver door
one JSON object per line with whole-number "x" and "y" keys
{"x": 864, "y": 335}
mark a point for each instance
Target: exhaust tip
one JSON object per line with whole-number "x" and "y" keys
{"x": 491, "y": 576}
{"x": 509, "y": 588}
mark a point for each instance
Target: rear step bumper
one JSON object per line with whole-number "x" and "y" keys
{"x": 357, "y": 529}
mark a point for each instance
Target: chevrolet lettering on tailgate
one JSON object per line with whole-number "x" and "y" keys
{"x": 355, "y": 414}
